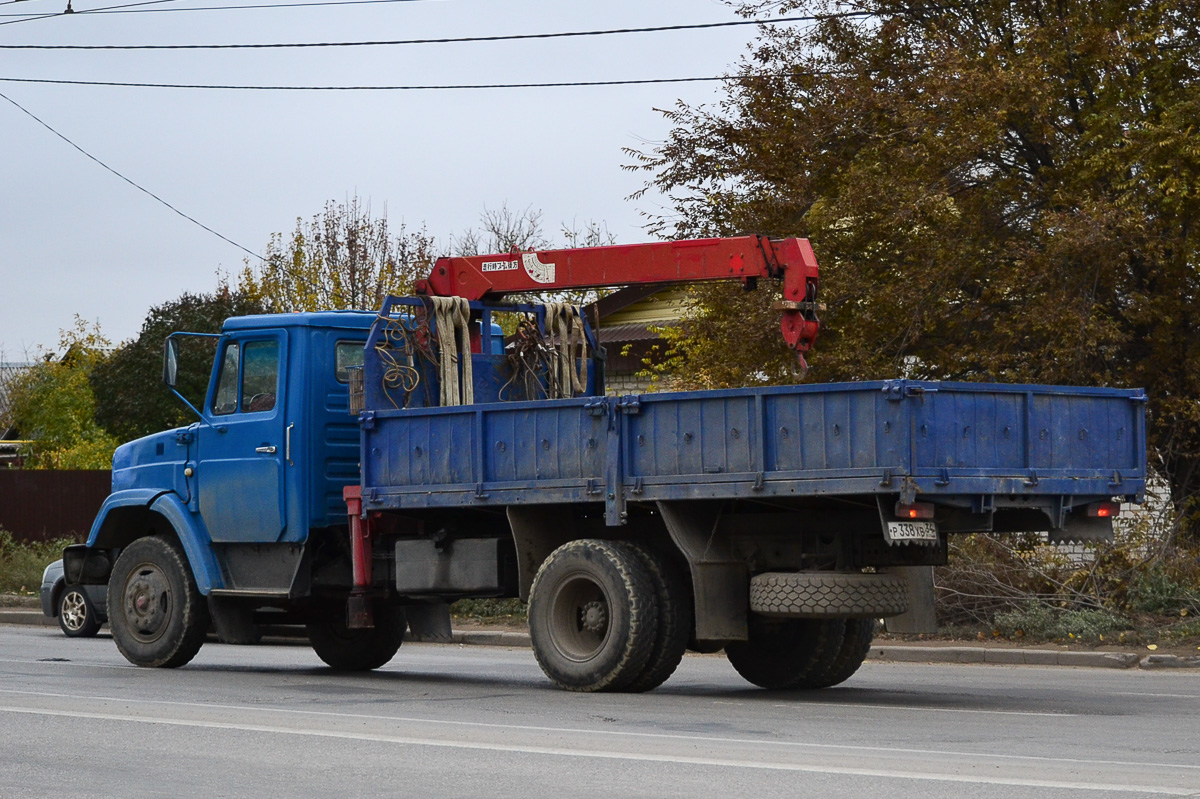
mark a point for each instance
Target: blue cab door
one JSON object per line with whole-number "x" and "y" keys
{"x": 241, "y": 458}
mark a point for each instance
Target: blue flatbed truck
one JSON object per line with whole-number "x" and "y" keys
{"x": 777, "y": 523}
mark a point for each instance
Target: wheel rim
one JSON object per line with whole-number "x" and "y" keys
{"x": 148, "y": 602}
{"x": 580, "y": 618}
{"x": 73, "y": 611}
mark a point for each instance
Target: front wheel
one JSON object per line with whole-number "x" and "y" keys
{"x": 76, "y": 616}
{"x": 157, "y": 615}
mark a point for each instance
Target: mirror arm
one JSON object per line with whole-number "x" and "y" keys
{"x": 193, "y": 409}
{"x": 176, "y": 392}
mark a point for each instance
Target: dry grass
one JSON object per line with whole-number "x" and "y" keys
{"x": 22, "y": 563}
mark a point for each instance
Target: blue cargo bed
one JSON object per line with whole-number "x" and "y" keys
{"x": 932, "y": 439}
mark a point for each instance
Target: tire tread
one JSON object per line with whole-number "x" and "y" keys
{"x": 828, "y": 595}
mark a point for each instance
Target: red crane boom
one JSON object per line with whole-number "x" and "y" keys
{"x": 745, "y": 258}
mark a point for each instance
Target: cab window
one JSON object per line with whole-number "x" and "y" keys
{"x": 260, "y": 375}
{"x": 225, "y": 400}
{"x": 347, "y": 355}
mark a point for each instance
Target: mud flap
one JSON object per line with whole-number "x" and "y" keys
{"x": 234, "y": 621}
{"x": 920, "y": 616}
{"x": 429, "y": 621}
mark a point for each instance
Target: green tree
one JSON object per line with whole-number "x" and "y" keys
{"x": 995, "y": 190}
{"x": 131, "y": 400}
{"x": 341, "y": 259}
{"x": 52, "y": 405}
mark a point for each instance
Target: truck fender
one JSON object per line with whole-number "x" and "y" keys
{"x": 121, "y": 519}
{"x": 91, "y": 563}
{"x": 194, "y": 538}
{"x": 135, "y": 498}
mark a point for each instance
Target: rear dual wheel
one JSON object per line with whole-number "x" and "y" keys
{"x": 346, "y": 649}
{"x": 801, "y": 653}
{"x": 784, "y": 653}
{"x": 674, "y": 628}
{"x": 593, "y": 616}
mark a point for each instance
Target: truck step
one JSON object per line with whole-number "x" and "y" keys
{"x": 249, "y": 593}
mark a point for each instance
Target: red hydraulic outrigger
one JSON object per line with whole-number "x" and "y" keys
{"x": 745, "y": 258}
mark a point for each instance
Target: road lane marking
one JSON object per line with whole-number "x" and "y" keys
{"x": 887, "y": 750}
{"x": 556, "y": 751}
{"x": 857, "y": 705}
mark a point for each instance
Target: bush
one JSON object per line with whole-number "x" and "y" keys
{"x": 1158, "y": 591}
{"x": 1147, "y": 580}
{"x": 1037, "y": 621}
{"x": 22, "y": 562}
{"x": 490, "y": 611}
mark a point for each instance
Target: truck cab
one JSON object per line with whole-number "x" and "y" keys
{"x": 246, "y": 492}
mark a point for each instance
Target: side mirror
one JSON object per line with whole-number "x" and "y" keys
{"x": 171, "y": 361}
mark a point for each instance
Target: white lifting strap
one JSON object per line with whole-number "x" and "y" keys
{"x": 564, "y": 323}
{"x": 452, "y": 317}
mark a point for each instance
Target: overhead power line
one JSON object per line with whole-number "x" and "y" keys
{"x": 126, "y": 9}
{"x": 409, "y": 88}
{"x": 443, "y": 40}
{"x": 93, "y": 11}
{"x": 135, "y": 8}
{"x": 140, "y": 188}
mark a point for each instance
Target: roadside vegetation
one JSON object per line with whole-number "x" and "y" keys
{"x": 505, "y": 612}
{"x": 1142, "y": 588}
{"x": 22, "y": 562}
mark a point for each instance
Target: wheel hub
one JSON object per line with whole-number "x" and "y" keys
{"x": 148, "y": 602}
{"x": 593, "y": 617}
{"x": 74, "y": 614}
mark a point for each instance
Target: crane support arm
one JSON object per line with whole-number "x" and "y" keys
{"x": 745, "y": 258}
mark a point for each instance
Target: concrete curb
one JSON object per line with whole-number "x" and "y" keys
{"x": 883, "y": 652}
{"x": 1170, "y": 662}
{"x": 1007, "y": 657}
{"x": 27, "y": 617}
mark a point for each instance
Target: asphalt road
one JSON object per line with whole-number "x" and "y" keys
{"x": 450, "y": 721}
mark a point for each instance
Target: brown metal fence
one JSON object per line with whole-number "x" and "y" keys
{"x": 38, "y": 504}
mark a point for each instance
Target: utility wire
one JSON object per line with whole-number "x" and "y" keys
{"x": 132, "y": 8}
{"x": 410, "y": 88}
{"x": 26, "y": 18}
{"x": 447, "y": 40}
{"x": 126, "y": 9}
{"x": 64, "y": 13}
{"x": 193, "y": 220}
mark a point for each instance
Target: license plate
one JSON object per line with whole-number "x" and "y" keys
{"x": 898, "y": 532}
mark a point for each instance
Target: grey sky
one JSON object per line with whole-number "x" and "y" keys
{"x": 74, "y": 239}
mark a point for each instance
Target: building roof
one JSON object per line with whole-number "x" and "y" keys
{"x": 630, "y": 332}
{"x": 8, "y": 372}
{"x": 634, "y": 313}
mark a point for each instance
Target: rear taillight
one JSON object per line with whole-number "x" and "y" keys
{"x": 1104, "y": 510}
{"x": 915, "y": 510}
